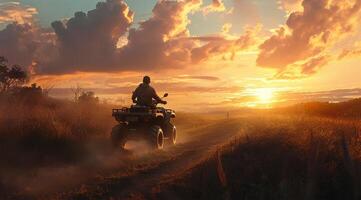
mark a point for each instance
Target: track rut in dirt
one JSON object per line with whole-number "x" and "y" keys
{"x": 152, "y": 168}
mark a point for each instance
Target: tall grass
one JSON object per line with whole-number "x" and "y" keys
{"x": 48, "y": 131}
{"x": 280, "y": 158}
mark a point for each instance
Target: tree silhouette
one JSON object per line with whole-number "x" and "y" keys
{"x": 11, "y": 77}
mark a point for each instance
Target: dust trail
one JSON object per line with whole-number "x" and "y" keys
{"x": 162, "y": 165}
{"x": 100, "y": 161}
{"x": 100, "y": 157}
{"x": 138, "y": 147}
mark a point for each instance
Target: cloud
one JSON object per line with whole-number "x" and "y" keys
{"x": 354, "y": 51}
{"x": 215, "y": 6}
{"x": 159, "y": 41}
{"x": 307, "y": 35}
{"x": 102, "y": 40}
{"x": 314, "y": 64}
{"x": 219, "y": 46}
{"x": 327, "y": 96}
{"x": 19, "y": 40}
{"x": 88, "y": 41}
{"x": 290, "y": 5}
{"x": 226, "y": 28}
{"x": 241, "y": 100}
{"x": 18, "y": 43}
{"x": 190, "y": 77}
{"x": 289, "y": 98}
{"x": 15, "y": 12}
{"x": 175, "y": 88}
{"x": 163, "y": 41}
{"x": 298, "y": 71}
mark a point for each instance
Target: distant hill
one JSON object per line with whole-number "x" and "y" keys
{"x": 346, "y": 109}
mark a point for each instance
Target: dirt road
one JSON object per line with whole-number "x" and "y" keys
{"x": 139, "y": 173}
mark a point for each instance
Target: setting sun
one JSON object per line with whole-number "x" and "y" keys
{"x": 264, "y": 95}
{"x": 260, "y": 97}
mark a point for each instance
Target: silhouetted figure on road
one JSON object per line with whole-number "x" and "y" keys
{"x": 145, "y": 94}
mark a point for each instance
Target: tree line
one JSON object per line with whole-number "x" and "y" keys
{"x": 14, "y": 80}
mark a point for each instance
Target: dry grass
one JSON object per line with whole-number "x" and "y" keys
{"x": 46, "y": 133}
{"x": 49, "y": 131}
{"x": 279, "y": 158}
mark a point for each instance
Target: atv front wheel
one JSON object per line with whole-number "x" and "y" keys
{"x": 119, "y": 135}
{"x": 157, "y": 135}
{"x": 172, "y": 135}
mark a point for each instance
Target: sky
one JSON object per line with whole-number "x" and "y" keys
{"x": 209, "y": 54}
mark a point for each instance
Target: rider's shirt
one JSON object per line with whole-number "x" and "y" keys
{"x": 145, "y": 95}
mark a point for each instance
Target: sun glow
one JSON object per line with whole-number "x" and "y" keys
{"x": 264, "y": 95}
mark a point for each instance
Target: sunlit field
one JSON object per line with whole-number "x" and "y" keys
{"x": 180, "y": 99}
{"x": 272, "y": 154}
{"x": 278, "y": 157}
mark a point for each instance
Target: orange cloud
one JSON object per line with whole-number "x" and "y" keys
{"x": 90, "y": 42}
{"x": 123, "y": 84}
{"x": 219, "y": 46}
{"x": 314, "y": 64}
{"x": 307, "y": 35}
{"x": 290, "y": 5}
{"x": 158, "y": 41}
{"x": 305, "y": 69}
{"x": 354, "y": 51}
{"x": 15, "y": 12}
{"x": 325, "y": 96}
{"x": 215, "y": 6}
{"x": 198, "y": 77}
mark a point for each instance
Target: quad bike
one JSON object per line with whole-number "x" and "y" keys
{"x": 144, "y": 122}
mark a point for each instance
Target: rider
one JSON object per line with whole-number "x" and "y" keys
{"x": 144, "y": 94}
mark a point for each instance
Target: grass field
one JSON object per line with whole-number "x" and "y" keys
{"x": 278, "y": 157}
{"x": 56, "y": 148}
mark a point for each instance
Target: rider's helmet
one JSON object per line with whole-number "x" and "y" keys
{"x": 146, "y": 79}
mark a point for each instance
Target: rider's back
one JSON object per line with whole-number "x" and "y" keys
{"x": 144, "y": 93}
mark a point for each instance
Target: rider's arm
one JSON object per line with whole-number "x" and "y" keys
{"x": 135, "y": 94}
{"x": 156, "y": 97}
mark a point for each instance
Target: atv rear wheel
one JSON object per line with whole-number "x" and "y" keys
{"x": 157, "y": 137}
{"x": 119, "y": 135}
